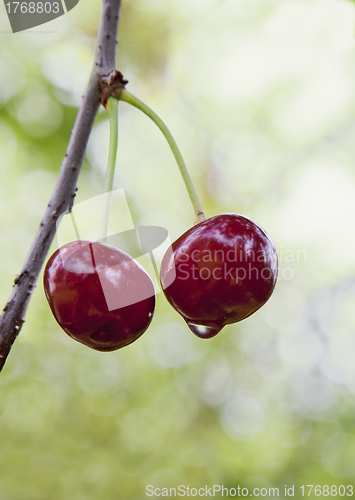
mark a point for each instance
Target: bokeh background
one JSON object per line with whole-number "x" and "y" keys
{"x": 260, "y": 95}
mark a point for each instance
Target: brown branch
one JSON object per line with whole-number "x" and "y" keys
{"x": 62, "y": 198}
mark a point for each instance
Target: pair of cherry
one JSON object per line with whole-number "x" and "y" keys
{"x": 219, "y": 272}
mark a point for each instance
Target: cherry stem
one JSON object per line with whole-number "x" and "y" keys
{"x": 134, "y": 101}
{"x": 112, "y": 105}
{"x": 75, "y": 226}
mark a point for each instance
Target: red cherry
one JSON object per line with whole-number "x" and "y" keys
{"x": 219, "y": 272}
{"x": 98, "y": 294}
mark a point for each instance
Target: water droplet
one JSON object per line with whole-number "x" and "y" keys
{"x": 203, "y": 331}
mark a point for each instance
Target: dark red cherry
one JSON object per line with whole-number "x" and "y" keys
{"x": 219, "y": 272}
{"x": 98, "y": 294}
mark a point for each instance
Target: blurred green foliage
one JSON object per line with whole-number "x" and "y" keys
{"x": 260, "y": 96}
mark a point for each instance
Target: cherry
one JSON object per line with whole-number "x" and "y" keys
{"x": 219, "y": 272}
{"x": 98, "y": 294}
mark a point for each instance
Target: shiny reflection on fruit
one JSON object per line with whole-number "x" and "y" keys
{"x": 98, "y": 294}
{"x": 219, "y": 272}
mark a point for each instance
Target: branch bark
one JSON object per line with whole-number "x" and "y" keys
{"x": 63, "y": 194}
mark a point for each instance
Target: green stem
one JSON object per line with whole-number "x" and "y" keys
{"x": 110, "y": 171}
{"x": 134, "y": 101}
{"x": 75, "y": 226}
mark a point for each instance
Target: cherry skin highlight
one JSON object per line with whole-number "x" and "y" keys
{"x": 219, "y": 272}
{"x": 98, "y": 294}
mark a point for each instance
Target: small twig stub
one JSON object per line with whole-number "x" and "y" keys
{"x": 111, "y": 86}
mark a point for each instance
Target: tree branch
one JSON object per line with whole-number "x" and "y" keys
{"x": 63, "y": 194}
